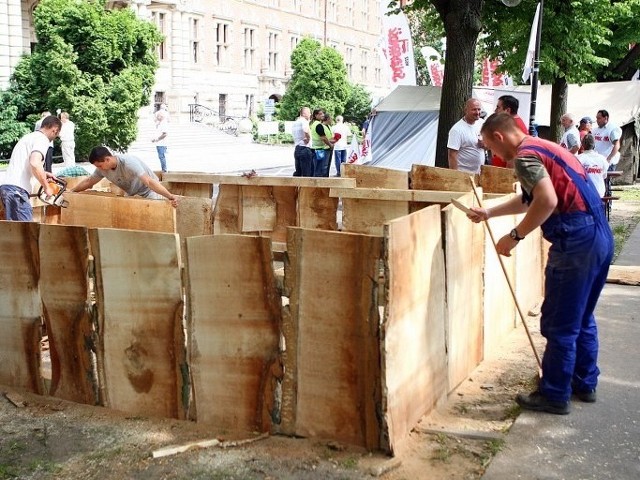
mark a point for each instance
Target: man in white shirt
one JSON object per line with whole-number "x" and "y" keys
{"x": 302, "y": 155}
{"x": 607, "y": 138}
{"x": 162, "y": 130}
{"x": 68, "y": 140}
{"x": 27, "y": 159}
{"x": 571, "y": 136}
{"x": 340, "y": 147}
{"x": 465, "y": 147}
{"x": 594, "y": 163}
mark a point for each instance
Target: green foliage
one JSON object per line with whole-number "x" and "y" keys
{"x": 319, "y": 80}
{"x": 10, "y": 129}
{"x": 96, "y": 64}
{"x": 358, "y": 105}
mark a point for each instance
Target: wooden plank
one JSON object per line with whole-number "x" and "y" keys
{"x": 257, "y": 209}
{"x": 331, "y": 387}
{"x": 95, "y": 210}
{"x": 624, "y": 275}
{"x": 200, "y": 190}
{"x": 464, "y": 257}
{"x": 64, "y": 287}
{"x": 140, "y": 309}
{"x": 316, "y": 209}
{"x": 499, "y": 308}
{"x": 414, "y": 372}
{"x": 423, "y": 177}
{"x": 226, "y": 213}
{"x": 497, "y": 179}
{"x": 211, "y": 178}
{"x": 20, "y": 306}
{"x": 234, "y": 312}
{"x": 430, "y": 196}
{"x": 194, "y": 216}
{"x": 530, "y": 264}
{"x": 370, "y": 216}
{"x": 375, "y": 177}
{"x": 286, "y": 212}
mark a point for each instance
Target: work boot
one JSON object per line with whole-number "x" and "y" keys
{"x": 538, "y": 402}
{"x": 587, "y": 397}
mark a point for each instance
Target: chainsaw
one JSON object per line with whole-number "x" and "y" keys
{"x": 58, "y": 186}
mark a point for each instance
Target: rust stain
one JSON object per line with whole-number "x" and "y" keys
{"x": 139, "y": 375}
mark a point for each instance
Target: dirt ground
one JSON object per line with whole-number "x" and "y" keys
{"x": 47, "y": 438}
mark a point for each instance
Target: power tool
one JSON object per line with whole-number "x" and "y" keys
{"x": 58, "y": 186}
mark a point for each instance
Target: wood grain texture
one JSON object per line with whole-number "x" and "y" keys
{"x": 497, "y": 179}
{"x": 370, "y": 216}
{"x": 226, "y": 213}
{"x": 140, "y": 308}
{"x": 499, "y": 307}
{"x": 94, "y": 210}
{"x": 286, "y": 212}
{"x": 316, "y": 209}
{"x": 213, "y": 178}
{"x": 257, "y": 209}
{"x": 464, "y": 258}
{"x": 194, "y": 216}
{"x": 423, "y": 177}
{"x": 624, "y": 275}
{"x": 64, "y": 287}
{"x": 198, "y": 190}
{"x": 331, "y": 387}
{"x": 375, "y": 177}
{"x": 234, "y": 318}
{"x": 530, "y": 263}
{"x": 20, "y": 306}
{"x": 414, "y": 358}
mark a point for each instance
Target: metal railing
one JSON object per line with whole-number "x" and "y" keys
{"x": 203, "y": 114}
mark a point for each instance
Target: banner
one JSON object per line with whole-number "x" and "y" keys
{"x": 489, "y": 76}
{"x": 396, "y": 47}
{"x": 531, "y": 50}
{"x": 434, "y": 65}
{"x": 353, "y": 154}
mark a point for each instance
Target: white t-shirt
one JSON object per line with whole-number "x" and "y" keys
{"x": 162, "y": 127}
{"x": 464, "y": 139}
{"x": 344, "y": 132}
{"x": 127, "y": 175}
{"x": 298, "y": 129}
{"x": 596, "y": 166}
{"x": 604, "y": 138}
{"x": 19, "y": 170}
{"x": 570, "y": 138}
{"x": 67, "y": 131}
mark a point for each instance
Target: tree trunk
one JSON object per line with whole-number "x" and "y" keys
{"x": 559, "y": 94}
{"x": 462, "y": 24}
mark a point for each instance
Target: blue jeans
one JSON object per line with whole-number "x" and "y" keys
{"x": 304, "y": 161}
{"x": 340, "y": 156}
{"x": 321, "y": 163}
{"x": 16, "y": 203}
{"x": 162, "y": 151}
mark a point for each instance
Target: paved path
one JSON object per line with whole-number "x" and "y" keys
{"x": 595, "y": 441}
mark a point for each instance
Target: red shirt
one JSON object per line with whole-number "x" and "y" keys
{"x": 496, "y": 161}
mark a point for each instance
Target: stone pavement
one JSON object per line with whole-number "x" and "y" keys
{"x": 595, "y": 441}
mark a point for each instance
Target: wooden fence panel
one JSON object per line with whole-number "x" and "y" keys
{"x": 234, "y": 319}
{"x": 414, "y": 357}
{"x": 141, "y": 345}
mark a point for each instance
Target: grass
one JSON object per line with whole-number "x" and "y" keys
{"x": 630, "y": 194}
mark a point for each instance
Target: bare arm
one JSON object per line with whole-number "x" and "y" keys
{"x": 510, "y": 207}
{"x": 157, "y": 187}
{"x": 85, "y": 184}
{"x": 452, "y": 156}
{"x": 35, "y": 161}
{"x": 614, "y": 151}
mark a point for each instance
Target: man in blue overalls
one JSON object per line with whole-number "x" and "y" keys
{"x": 558, "y": 197}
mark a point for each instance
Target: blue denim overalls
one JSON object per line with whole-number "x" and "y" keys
{"x": 579, "y": 257}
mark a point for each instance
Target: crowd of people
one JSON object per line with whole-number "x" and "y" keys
{"x": 317, "y": 139}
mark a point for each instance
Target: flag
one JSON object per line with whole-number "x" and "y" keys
{"x": 531, "y": 50}
{"x": 434, "y": 65}
{"x": 396, "y": 47}
{"x": 354, "y": 151}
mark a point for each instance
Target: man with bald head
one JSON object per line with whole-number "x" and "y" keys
{"x": 465, "y": 148}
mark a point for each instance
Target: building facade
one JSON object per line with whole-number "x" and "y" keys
{"x": 230, "y": 55}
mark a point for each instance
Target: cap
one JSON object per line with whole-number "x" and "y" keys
{"x": 586, "y": 120}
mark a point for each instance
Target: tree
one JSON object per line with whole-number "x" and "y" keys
{"x": 97, "y": 64}
{"x": 358, "y": 105}
{"x": 10, "y": 129}
{"x": 319, "y": 80}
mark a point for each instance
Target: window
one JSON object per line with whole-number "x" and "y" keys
{"x": 294, "y": 42}
{"x": 348, "y": 18}
{"x": 249, "y": 48}
{"x": 364, "y": 63}
{"x": 195, "y": 44}
{"x": 332, "y": 11}
{"x": 348, "y": 61}
{"x": 365, "y": 14}
{"x": 378, "y": 75}
{"x": 222, "y": 43}
{"x": 273, "y": 51}
{"x": 158, "y": 18}
{"x": 297, "y": 6}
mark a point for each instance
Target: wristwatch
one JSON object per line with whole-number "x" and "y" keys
{"x": 514, "y": 234}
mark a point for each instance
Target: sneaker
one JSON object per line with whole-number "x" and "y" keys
{"x": 539, "y": 403}
{"x": 587, "y": 397}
